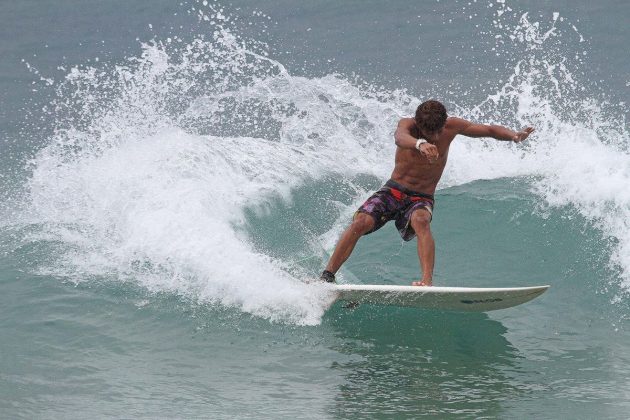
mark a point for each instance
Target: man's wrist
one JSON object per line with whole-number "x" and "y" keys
{"x": 419, "y": 143}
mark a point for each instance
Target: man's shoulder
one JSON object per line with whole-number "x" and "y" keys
{"x": 407, "y": 122}
{"x": 456, "y": 123}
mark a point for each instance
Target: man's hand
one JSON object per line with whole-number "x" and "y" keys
{"x": 522, "y": 135}
{"x": 430, "y": 151}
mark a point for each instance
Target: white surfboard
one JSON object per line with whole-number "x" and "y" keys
{"x": 471, "y": 299}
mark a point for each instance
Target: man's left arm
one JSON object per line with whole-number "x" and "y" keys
{"x": 498, "y": 132}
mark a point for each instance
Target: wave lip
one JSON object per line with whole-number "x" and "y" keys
{"x": 154, "y": 162}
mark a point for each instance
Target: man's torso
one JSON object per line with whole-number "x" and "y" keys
{"x": 412, "y": 168}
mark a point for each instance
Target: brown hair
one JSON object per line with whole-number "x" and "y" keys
{"x": 430, "y": 116}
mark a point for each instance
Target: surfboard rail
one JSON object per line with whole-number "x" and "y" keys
{"x": 469, "y": 299}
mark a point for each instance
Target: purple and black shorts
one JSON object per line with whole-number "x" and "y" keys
{"x": 395, "y": 202}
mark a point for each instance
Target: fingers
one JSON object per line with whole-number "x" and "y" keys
{"x": 432, "y": 153}
{"x": 523, "y": 134}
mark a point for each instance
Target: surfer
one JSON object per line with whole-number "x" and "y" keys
{"x": 422, "y": 150}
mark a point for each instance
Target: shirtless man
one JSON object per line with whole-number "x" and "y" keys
{"x": 422, "y": 150}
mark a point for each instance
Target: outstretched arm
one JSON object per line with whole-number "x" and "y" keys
{"x": 498, "y": 132}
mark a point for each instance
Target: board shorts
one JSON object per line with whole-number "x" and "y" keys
{"x": 395, "y": 202}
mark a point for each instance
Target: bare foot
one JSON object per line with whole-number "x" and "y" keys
{"x": 422, "y": 283}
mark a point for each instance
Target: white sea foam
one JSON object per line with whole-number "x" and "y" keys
{"x": 154, "y": 163}
{"x": 133, "y": 195}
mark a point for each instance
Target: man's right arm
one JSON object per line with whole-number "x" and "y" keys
{"x": 403, "y": 136}
{"x": 405, "y": 140}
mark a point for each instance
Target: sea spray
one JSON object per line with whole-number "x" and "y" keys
{"x": 147, "y": 176}
{"x": 154, "y": 161}
{"x": 578, "y": 157}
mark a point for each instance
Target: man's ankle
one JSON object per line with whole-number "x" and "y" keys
{"x": 327, "y": 276}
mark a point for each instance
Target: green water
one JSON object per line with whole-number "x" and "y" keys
{"x": 106, "y": 348}
{"x": 172, "y": 176}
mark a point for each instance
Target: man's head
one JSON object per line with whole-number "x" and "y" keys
{"x": 430, "y": 118}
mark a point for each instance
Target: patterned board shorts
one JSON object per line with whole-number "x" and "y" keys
{"x": 395, "y": 202}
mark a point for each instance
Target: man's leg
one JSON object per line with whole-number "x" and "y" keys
{"x": 421, "y": 224}
{"x": 362, "y": 224}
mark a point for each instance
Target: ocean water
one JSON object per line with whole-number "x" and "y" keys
{"x": 174, "y": 174}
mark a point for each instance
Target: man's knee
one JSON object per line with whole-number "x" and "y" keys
{"x": 362, "y": 224}
{"x": 421, "y": 220}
